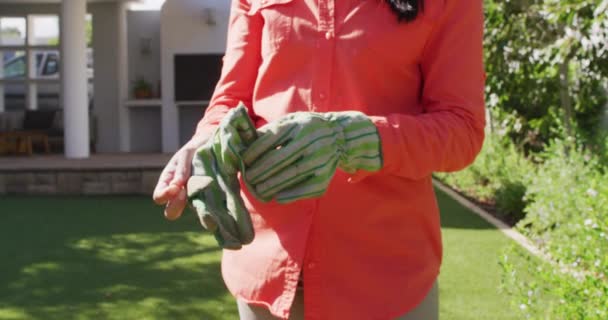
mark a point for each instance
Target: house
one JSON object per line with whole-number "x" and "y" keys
{"x": 173, "y": 48}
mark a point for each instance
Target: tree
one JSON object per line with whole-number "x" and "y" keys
{"x": 547, "y": 67}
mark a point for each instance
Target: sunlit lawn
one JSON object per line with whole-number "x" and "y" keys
{"x": 117, "y": 258}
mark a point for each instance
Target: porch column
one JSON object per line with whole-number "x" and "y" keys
{"x": 122, "y": 48}
{"x": 74, "y": 79}
{"x": 2, "y": 97}
{"x": 1, "y": 83}
{"x": 32, "y": 87}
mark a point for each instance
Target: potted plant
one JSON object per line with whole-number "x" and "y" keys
{"x": 142, "y": 89}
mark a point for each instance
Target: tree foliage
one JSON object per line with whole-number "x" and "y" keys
{"x": 547, "y": 65}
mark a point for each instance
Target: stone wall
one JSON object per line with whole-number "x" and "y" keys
{"x": 115, "y": 182}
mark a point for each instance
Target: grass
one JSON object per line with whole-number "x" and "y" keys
{"x": 470, "y": 275}
{"x": 117, "y": 258}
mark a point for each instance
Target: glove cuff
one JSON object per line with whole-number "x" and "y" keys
{"x": 358, "y": 141}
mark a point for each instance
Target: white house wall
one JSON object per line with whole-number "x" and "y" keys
{"x": 108, "y": 65}
{"x": 145, "y": 122}
{"x": 184, "y": 30}
{"x": 105, "y": 57}
{"x": 144, "y": 25}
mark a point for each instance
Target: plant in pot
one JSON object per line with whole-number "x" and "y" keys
{"x": 142, "y": 89}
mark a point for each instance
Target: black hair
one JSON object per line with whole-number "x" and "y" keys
{"x": 406, "y": 10}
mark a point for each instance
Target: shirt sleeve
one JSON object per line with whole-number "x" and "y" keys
{"x": 239, "y": 69}
{"x": 449, "y": 134}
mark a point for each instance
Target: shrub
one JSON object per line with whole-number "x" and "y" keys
{"x": 498, "y": 176}
{"x": 567, "y": 217}
{"x": 564, "y": 196}
{"x": 510, "y": 202}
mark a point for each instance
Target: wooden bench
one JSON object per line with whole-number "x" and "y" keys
{"x": 22, "y": 142}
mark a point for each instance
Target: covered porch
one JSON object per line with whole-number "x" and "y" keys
{"x": 73, "y": 79}
{"x": 109, "y": 50}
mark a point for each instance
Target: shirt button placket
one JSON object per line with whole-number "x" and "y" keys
{"x": 312, "y": 290}
{"x": 325, "y": 46}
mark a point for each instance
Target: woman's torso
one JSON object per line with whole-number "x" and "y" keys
{"x": 366, "y": 248}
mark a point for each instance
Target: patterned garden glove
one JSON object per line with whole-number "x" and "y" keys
{"x": 213, "y": 189}
{"x": 296, "y": 157}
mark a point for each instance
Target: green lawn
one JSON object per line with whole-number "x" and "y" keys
{"x": 117, "y": 258}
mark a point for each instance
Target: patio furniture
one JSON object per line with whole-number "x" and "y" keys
{"x": 16, "y": 139}
{"x": 22, "y": 142}
{"x": 8, "y": 143}
{"x": 21, "y": 131}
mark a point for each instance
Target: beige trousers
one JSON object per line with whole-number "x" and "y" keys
{"x": 428, "y": 309}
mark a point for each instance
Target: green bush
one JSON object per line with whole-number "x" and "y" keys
{"x": 567, "y": 218}
{"x": 547, "y": 67}
{"x": 498, "y": 177}
{"x": 562, "y": 201}
{"x": 510, "y": 202}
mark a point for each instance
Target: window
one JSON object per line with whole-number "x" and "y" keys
{"x": 44, "y": 30}
{"x": 47, "y": 64}
{"x": 14, "y": 96}
{"x": 48, "y": 95}
{"x": 39, "y": 57}
{"x": 30, "y": 61}
{"x": 12, "y": 31}
{"x": 14, "y": 65}
{"x": 51, "y": 66}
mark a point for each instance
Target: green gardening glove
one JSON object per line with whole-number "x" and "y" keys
{"x": 296, "y": 156}
{"x": 214, "y": 190}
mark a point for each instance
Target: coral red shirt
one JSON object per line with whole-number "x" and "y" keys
{"x": 371, "y": 247}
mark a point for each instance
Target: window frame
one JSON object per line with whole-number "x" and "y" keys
{"x": 31, "y": 78}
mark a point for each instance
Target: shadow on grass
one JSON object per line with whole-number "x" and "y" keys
{"x": 118, "y": 258}
{"x": 454, "y": 215}
{"x": 106, "y": 258}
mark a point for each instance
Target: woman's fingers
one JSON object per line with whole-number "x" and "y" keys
{"x": 173, "y": 177}
{"x": 269, "y": 138}
{"x": 183, "y": 167}
{"x": 311, "y": 188}
{"x": 297, "y": 172}
{"x": 305, "y": 143}
{"x": 176, "y": 191}
{"x": 164, "y": 189}
{"x": 244, "y": 125}
{"x": 176, "y": 206}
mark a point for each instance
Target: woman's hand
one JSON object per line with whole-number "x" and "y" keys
{"x": 296, "y": 156}
{"x": 204, "y": 174}
{"x": 171, "y": 187}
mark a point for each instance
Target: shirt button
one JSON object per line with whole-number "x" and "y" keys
{"x": 322, "y": 96}
{"x": 329, "y": 35}
{"x": 311, "y": 265}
